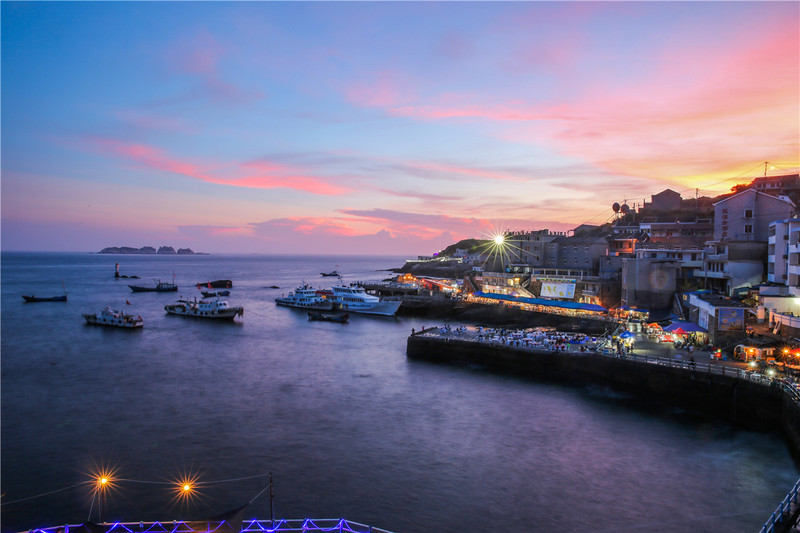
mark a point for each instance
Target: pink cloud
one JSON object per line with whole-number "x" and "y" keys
{"x": 254, "y": 175}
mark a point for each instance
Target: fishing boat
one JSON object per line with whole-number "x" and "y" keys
{"x": 356, "y": 300}
{"x": 113, "y": 318}
{"x": 161, "y": 286}
{"x": 32, "y": 298}
{"x": 218, "y": 284}
{"x": 305, "y": 297}
{"x": 332, "y": 273}
{"x": 329, "y": 317}
{"x": 213, "y": 309}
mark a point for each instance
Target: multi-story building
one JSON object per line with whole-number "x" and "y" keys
{"x": 528, "y": 247}
{"x": 783, "y": 254}
{"x": 732, "y": 265}
{"x": 649, "y": 282}
{"x": 660, "y": 229}
{"x": 746, "y": 216}
{"x": 576, "y": 253}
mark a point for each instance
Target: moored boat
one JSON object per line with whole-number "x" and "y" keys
{"x": 329, "y": 317}
{"x": 32, "y": 298}
{"x": 114, "y": 318}
{"x": 356, "y": 300}
{"x": 217, "y": 284}
{"x": 332, "y": 273}
{"x": 213, "y": 309}
{"x": 161, "y": 286}
{"x": 212, "y": 294}
{"x": 305, "y": 297}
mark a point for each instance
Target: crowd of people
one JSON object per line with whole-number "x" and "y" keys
{"x": 541, "y": 338}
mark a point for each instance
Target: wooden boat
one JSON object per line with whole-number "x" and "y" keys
{"x": 32, "y": 298}
{"x": 161, "y": 286}
{"x": 332, "y": 273}
{"x": 329, "y": 317}
{"x": 218, "y": 284}
{"x": 212, "y": 294}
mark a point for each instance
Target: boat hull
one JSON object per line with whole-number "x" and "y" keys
{"x": 382, "y": 308}
{"x": 137, "y": 288}
{"x": 193, "y": 311}
{"x": 327, "y": 317}
{"x": 321, "y": 306}
{"x": 32, "y": 299}
{"x": 121, "y": 323}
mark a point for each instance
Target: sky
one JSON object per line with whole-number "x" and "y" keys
{"x": 391, "y": 128}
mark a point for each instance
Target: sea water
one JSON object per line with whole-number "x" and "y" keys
{"x": 345, "y": 423}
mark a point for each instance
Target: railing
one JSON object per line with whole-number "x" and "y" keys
{"x": 339, "y": 525}
{"x": 784, "y": 509}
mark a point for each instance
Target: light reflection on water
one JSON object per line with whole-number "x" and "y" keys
{"x": 346, "y": 424}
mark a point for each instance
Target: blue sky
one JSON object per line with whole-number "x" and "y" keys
{"x": 378, "y": 127}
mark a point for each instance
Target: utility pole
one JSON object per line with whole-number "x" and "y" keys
{"x": 271, "y": 497}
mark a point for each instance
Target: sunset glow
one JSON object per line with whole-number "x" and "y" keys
{"x": 379, "y": 128}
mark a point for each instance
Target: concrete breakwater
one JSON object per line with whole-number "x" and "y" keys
{"x": 756, "y": 404}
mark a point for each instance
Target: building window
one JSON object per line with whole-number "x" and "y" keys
{"x": 748, "y": 228}
{"x": 586, "y": 261}
{"x": 587, "y": 249}
{"x": 575, "y": 261}
{"x": 748, "y": 213}
{"x": 574, "y": 248}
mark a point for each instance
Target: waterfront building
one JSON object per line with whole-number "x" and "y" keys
{"x": 528, "y": 247}
{"x": 722, "y": 317}
{"x": 649, "y": 283}
{"x": 576, "y": 253}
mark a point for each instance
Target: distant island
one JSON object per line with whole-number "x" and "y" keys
{"x": 145, "y": 250}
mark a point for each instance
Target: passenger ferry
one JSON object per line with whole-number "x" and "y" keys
{"x": 214, "y": 309}
{"x": 355, "y": 299}
{"x": 305, "y": 297}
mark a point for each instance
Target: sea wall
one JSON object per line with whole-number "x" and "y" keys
{"x": 748, "y": 404}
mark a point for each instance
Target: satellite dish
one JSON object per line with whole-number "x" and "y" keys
{"x": 615, "y": 207}
{"x": 625, "y": 208}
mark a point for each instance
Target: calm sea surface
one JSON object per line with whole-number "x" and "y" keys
{"x": 346, "y": 424}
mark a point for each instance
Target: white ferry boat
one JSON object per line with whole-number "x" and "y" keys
{"x": 114, "y": 318}
{"x": 214, "y": 309}
{"x": 355, "y": 299}
{"x": 305, "y": 297}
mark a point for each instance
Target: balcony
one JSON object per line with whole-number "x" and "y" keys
{"x": 710, "y": 275}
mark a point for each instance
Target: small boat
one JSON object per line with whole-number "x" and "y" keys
{"x": 113, "y": 318}
{"x": 305, "y": 297}
{"x": 214, "y": 309}
{"x": 332, "y": 273}
{"x": 218, "y": 284}
{"x": 161, "y": 286}
{"x": 211, "y": 294}
{"x": 32, "y": 298}
{"x": 329, "y": 317}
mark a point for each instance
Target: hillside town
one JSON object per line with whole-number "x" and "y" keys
{"x": 726, "y": 270}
